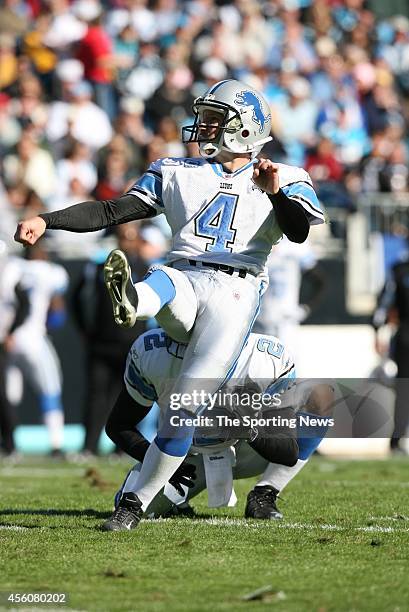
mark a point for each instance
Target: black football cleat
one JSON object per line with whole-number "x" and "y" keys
{"x": 118, "y": 281}
{"x": 184, "y": 510}
{"x": 261, "y": 504}
{"x": 126, "y": 516}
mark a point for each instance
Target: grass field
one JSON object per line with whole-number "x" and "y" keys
{"x": 343, "y": 544}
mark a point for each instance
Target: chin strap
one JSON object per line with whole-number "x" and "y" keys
{"x": 209, "y": 150}
{"x": 214, "y": 149}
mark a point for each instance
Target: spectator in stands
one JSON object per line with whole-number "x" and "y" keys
{"x": 76, "y": 164}
{"x": 114, "y": 177}
{"x": 43, "y": 58}
{"x": 294, "y": 120}
{"x": 68, "y": 72}
{"x": 95, "y": 51}
{"x": 28, "y": 107}
{"x": 327, "y": 173}
{"x": 8, "y": 60}
{"x": 169, "y": 131}
{"x": 64, "y": 30}
{"x": 322, "y": 164}
{"x": 14, "y": 17}
{"x": 30, "y": 164}
{"x": 80, "y": 119}
{"x": 393, "y": 47}
{"x": 10, "y": 129}
{"x": 174, "y": 95}
{"x": 22, "y": 200}
{"x": 385, "y": 169}
{"x": 126, "y": 50}
{"x": 131, "y": 126}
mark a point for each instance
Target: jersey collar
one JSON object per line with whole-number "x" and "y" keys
{"x": 219, "y": 170}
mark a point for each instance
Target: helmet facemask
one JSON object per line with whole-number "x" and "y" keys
{"x": 231, "y": 132}
{"x": 209, "y": 132}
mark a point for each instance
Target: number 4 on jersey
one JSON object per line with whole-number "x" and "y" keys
{"x": 215, "y": 222}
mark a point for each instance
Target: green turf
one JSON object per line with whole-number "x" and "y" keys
{"x": 343, "y": 544}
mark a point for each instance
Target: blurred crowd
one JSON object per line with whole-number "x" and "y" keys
{"x": 93, "y": 91}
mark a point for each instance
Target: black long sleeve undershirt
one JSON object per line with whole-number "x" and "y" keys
{"x": 120, "y": 427}
{"x": 290, "y": 217}
{"x": 95, "y": 215}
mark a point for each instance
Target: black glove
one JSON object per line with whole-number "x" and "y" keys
{"x": 184, "y": 475}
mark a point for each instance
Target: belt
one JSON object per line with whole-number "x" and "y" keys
{"x": 220, "y": 268}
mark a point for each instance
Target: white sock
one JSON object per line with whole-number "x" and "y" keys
{"x": 278, "y": 476}
{"x": 54, "y": 421}
{"x": 149, "y": 302}
{"x": 157, "y": 468}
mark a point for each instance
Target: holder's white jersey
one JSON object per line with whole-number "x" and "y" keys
{"x": 218, "y": 216}
{"x": 42, "y": 280}
{"x": 154, "y": 362}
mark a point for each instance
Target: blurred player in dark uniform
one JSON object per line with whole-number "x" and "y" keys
{"x": 393, "y": 307}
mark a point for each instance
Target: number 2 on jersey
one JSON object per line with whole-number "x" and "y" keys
{"x": 215, "y": 222}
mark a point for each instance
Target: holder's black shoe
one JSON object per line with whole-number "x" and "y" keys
{"x": 261, "y": 504}
{"x": 118, "y": 281}
{"x": 183, "y": 510}
{"x": 127, "y": 515}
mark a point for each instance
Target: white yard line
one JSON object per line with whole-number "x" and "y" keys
{"x": 353, "y": 483}
{"x": 230, "y": 522}
{"x": 14, "y": 528}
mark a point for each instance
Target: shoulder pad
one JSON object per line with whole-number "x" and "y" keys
{"x": 292, "y": 174}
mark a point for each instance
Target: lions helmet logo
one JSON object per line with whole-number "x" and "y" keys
{"x": 248, "y": 98}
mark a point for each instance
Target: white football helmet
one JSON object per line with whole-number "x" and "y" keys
{"x": 245, "y": 120}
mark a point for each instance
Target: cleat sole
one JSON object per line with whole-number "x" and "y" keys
{"x": 117, "y": 275}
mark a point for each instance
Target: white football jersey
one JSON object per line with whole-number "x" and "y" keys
{"x": 154, "y": 362}
{"x": 285, "y": 266}
{"x": 42, "y": 280}
{"x": 219, "y": 216}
